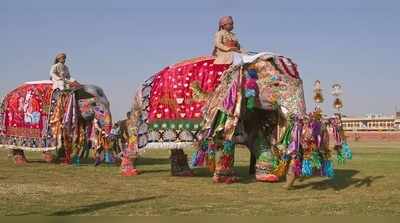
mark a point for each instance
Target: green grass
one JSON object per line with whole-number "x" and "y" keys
{"x": 367, "y": 185}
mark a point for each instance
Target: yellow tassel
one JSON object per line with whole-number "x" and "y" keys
{"x": 210, "y": 164}
{"x": 280, "y": 170}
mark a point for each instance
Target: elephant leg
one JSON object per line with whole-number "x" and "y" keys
{"x": 128, "y": 167}
{"x": 179, "y": 163}
{"x": 128, "y": 162}
{"x": 48, "y": 156}
{"x": 67, "y": 144}
{"x": 98, "y": 156}
{"x": 224, "y": 157}
{"x": 264, "y": 159}
{"x": 19, "y": 156}
{"x": 252, "y": 136}
{"x": 252, "y": 168}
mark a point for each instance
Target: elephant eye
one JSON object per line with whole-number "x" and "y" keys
{"x": 100, "y": 93}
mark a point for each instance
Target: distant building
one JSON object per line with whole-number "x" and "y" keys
{"x": 372, "y": 123}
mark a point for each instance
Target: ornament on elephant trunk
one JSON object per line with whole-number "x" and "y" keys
{"x": 337, "y": 92}
{"x": 318, "y": 97}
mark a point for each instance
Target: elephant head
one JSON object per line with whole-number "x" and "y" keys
{"x": 277, "y": 87}
{"x": 93, "y": 103}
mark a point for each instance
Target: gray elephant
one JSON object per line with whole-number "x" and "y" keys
{"x": 196, "y": 103}
{"x": 33, "y": 117}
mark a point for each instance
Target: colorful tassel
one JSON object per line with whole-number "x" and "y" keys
{"x": 315, "y": 160}
{"x": 250, "y": 93}
{"x": 107, "y": 157}
{"x": 251, "y": 103}
{"x": 211, "y": 159}
{"x": 296, "y": 165}
{"x": 275, "y": 162}
{"x": 340, "y": 156}
{"x": 229, "y": 147}
{"x": 251, "y": 73}
{"x": 348, "y": 154}
{"x": 286, "y": 136}
{"x": 76, "y": 160}
{"x": 327, "y": 168}
{"x": 280, "y": 169}
{"x": 306, "y": 169}
{"x": 251, "y": 83}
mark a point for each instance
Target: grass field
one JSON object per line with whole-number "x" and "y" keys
{"x": 367, "y": 185}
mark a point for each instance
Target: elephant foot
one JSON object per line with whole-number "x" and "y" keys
{"x": 97, "y": 161}
{"x": 109, "y": 158}
{"x": 225, "y": 179}
{"x": 130, "y": 172}
{"x": 76, "y": 160}
{"x": 67, "y": 158}
{"x": 48, "y": 157}
{"x": 127, "y": 168}
{"x": 20, "y": 159}
{"x": 179, "y": 164}
{"x": 271, "y": 178}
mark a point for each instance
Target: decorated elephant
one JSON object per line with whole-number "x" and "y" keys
{"x": 34, "y": 117}
{"x": 212, "y": 107}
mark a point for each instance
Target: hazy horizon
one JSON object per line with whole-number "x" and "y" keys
{"x": 119, "y": 44}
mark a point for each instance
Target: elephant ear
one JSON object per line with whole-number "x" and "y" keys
{"x": 81, "y": 93}
{"x": 92, "y": 91}
{"x": 86, "y": 108}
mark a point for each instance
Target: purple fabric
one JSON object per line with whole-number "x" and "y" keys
{"x": 316, "y": 132}
{"x": 294, "y": 146}
{"x": 230, "y": 99}
{"x": 70, "y": 119}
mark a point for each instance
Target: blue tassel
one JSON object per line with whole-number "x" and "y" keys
{"x": 306, "y": 169}
{"x": 194, "y": 159}
{"x": 97, "y": 161}
{"x": 107, "y": 157}
{"x": 328, "y": 168}
{"x": 252, "y": 73}
{"x": 229, "y": 146}
{"x": 347, "y": 153}
{"x": 76, "y": 161}
{"x": 250, "y": 93}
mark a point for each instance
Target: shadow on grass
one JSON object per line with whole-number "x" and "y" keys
{"x": 99, "y": 206}
{"x": 342, "y": 180}
{"x": 155, "y": 171}
{"x": 23, "y": 214}
{"x": 83, "y": 162}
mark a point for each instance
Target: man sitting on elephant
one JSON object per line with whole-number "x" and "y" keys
{"x": 59, "y": 73}
{"x": 225, "y": 42}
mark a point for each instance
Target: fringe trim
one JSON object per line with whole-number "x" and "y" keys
{"x": 24, "y": 148}
{"x": 168, "y": 145}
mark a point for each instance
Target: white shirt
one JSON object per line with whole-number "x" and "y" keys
{"x": 59, "y": 73}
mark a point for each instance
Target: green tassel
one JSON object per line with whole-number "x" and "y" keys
{"x": 251, "y": 103}
{"x": 287, "y": 136}
{"x": 275, "y": 162}
{"x": 340, "y": 157}
{"x": 315, "y": 160}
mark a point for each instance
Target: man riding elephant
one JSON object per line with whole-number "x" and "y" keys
{"x": 214, "y": 103}
{"x": 60, "y": 114}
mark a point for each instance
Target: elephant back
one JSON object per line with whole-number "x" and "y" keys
{"x": 24, "y": 116}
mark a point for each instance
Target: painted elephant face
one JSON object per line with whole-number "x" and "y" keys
{"x": 278, "y": 88}
{"x": 94, "y": 104}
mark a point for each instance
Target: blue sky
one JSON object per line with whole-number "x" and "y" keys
{"x": 118, "y": 44}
